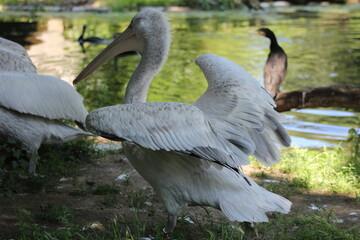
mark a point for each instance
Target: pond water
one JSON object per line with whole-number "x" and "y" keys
{"x": 322, "y": 44}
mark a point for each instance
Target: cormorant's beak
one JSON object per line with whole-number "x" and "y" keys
{"x": 125, "y": 42}
{"x": 260, "y": 32}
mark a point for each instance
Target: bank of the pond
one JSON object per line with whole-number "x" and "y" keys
{"x": 102, "y": 197}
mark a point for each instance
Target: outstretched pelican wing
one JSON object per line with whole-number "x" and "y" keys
{"x": 168, "y": 126}
{"x": 241, "y": 109}
{"x": 41, "y": 95}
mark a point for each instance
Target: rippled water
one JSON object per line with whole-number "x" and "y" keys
{"x": 322, "y": 46}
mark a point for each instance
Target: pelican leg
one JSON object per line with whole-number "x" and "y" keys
{"x": 250, "y": 231}
{"x": 32, "y": 163}
{"x": 172, "y": 219}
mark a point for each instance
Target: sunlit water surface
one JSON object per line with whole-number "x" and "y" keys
{"x": 323, "y": 47}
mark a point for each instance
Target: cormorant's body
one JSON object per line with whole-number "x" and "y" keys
{"x": 276, "y": 64}
{"x": 95, "y": 40}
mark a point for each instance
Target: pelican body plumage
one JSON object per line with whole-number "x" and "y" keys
{"x": 192, "y": 154}
{"x": 31, "y": 105}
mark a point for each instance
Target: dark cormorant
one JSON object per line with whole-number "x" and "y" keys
{"x": 95, "y": 40}
{"x": 276, "y": 64}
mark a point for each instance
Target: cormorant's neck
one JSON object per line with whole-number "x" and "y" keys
{"x": 81, "y": 38}
{"x": 273, "y": 41}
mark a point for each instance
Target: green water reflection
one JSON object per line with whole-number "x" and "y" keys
{"x": 322, "y": 46}
{"x": 323, "y": 50}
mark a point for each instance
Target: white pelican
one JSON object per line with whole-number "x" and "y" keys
{"x": 32, "y": 104}
{"x": 192, "y": 154}
{"x": 14, "y": 58}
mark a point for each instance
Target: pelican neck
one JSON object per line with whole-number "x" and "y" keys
{"x": 149, "y": 65}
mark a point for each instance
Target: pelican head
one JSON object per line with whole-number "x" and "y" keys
{"x": 147, "y": 34}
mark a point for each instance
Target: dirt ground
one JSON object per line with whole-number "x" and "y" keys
{"x": 88, "y": 208}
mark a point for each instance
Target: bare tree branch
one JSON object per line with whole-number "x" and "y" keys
{"x": 344, "y": 96}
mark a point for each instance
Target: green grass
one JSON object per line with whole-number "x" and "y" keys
{"x": 287, "y": 187}
{"x": 328, "y": 169}
{"x": 106, "y": 189}
{"x": 56, "y": 213}
{"x": 318, "y": 225}
{"x": 54, "y": 160}
{"x": 64, "y": 158}
{"x": 30, "y": 229}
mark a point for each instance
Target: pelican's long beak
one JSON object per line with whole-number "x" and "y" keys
{"x": 125, "y": 42}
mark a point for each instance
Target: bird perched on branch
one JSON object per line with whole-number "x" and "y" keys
{"x": 276, "y": 64}
{"x": 192, "y": 154}
{"x": 32, "y": 105}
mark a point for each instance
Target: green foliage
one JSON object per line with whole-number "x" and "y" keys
{"x": 288, "y": 187}
{"x": 137, "y": 199}
{"x": 35, "y": 2}
{"x": 196, "y": 4}
{"x": 134, "y": 5}
{"x": 319, "y": 225}
{"x": 57, "y": 214}
{"x": 354, "y": 145}
{"x": 30, "y": 230}
{"x": 327, "y": 169}
{"x": 14, "y": 162}
{"x": 53, "y": 160}
{"x": 106, "y": 189}
{"x": 63, "y": 158}
{"x": 212, "y": 5}
{"x": 13, "y": 155}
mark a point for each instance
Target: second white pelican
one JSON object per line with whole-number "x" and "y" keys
{"x": 31, "y": 105}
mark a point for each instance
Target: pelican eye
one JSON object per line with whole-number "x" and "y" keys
{"x": 136, "y": 20}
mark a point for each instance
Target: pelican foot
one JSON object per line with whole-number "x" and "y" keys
{"x": 166, "y": 235}
{"x": 171, "y": 223}
{"x": 250, "y": 231}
